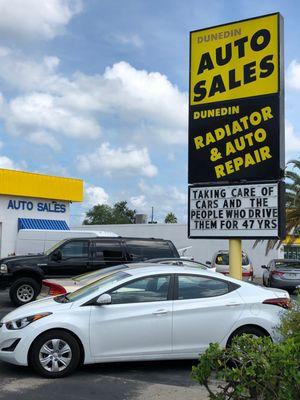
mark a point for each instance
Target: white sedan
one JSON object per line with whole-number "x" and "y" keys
{"x": 150, "y": 313}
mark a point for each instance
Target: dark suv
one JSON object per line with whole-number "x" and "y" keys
{"x": 72, "y": 257}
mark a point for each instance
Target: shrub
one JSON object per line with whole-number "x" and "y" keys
{"x": 252, "y": 368}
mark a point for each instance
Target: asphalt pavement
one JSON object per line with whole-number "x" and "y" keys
{"x": 115, "y": 381}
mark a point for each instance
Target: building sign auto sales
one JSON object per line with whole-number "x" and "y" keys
{"x": 236, "y": 119}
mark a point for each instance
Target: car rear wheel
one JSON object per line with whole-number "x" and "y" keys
{"x": 24, "y": 290}
{"x": 253, "y": 331}
{"x": 55, "y": 354}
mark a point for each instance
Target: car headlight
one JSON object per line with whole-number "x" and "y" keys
{"x": 22, "y": 322}
{"x": 3, "y": 269}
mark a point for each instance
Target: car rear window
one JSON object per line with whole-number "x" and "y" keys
{"x": 223, "y": 259}
{"x": 287, "y": 265}
{"x": 146, "y": 249}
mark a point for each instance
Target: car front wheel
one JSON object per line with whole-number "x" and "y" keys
{"x": 24, "y": 290}
{"x": 55, "y": 354}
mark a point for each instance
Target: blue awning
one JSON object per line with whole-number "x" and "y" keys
{"x": 50, "y": 224}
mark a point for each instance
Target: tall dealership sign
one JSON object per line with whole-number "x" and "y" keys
{"x": 236, "y": 130}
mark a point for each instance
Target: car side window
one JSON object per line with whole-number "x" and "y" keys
{"x": 197, "y": 287}
{"x": 75, "y": 249}
{"x": 108, "y": 250}
{"x": 146, "y": 249}
{"x": 150, "y": 289}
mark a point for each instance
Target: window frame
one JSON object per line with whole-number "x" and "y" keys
{"x": 146, "y": 240}
{"x": 231, "y": 286}
{"x": 93, "y": 251}
{"x": 72, "y": 243}
{"x": 169, "y": 295}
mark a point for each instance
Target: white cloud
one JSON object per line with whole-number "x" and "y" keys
{"x": 292, "y": 141}
{"x": 165, "y": 199}
{"x": 138, "y": 201}
{"x": 43, "y": 138}
{"x": 146, "y": 104}
{"x": 7, "y": 163}
{"x": 43, "y": 111}
{"x": 128, "y": 160}
{"x": 36, "y": 19}
{"x": 293, "y": 75}
{"x": 95, "y": 195}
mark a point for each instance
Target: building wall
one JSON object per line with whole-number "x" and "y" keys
{"x": 12, "y": 208}
{"x": 202, "y": 249}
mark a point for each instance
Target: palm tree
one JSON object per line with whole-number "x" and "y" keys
{"x": 292, "y": 206}
{"x": 171, "y": 218}
{"x": 292, "y": 195}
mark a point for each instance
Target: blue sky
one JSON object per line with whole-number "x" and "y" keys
{"x": 97, "y": 89}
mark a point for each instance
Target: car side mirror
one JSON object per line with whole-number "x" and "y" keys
{"x": 208, "y": 262}
{"x": 264, "y": 267}
{"x": 56, "y": 255}
{"x": 104, "y": 299}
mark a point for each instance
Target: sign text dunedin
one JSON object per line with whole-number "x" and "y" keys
{"x": 236, "y": 126}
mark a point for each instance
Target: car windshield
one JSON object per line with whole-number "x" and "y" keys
{"x": 281, "y": 264}
{"x": 55, "y": 246}
{"x": 98, "y": 274}
{"x": 223, "y": 259}
{"x": 99, "y": 284}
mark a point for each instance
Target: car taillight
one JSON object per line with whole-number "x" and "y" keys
{"x": 54, "y": 288}
{"x": 278, "y": 273}
{"x": 283, "y": 302}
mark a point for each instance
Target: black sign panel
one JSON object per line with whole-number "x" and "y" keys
{"x": 236, "y": 141}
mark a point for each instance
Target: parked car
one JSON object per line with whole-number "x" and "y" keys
{"x": 282, "y": 273}
{"x": 54, "y": 287}
{"x": 144, "y": 313}
{"x": 70, "y": 257}
{"x": 220, "y": 262}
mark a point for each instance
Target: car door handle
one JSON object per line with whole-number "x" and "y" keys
{"x": 233, "y": 304}
{"x": 160, "y": 312}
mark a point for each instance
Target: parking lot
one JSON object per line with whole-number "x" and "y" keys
{"x": 141, "y": 381}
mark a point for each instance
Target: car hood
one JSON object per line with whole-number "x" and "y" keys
{"x": 30, "y": 257}
{"x": 37, "y": 307}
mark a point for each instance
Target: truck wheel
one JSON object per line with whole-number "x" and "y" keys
{"x": 24, "y": 290}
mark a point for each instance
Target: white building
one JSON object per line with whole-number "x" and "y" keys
{"x": 34, "y": 201}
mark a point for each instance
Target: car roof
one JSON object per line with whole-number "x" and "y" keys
{"x": 96, "y": 238}
{"x": 136, "y": 269}
{"x": 285, "y": 260}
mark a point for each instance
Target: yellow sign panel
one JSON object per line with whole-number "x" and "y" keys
{"x": 27, "y": 184}
{"x": 235, "y": 61}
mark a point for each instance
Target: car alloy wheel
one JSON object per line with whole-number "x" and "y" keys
{"x": 55, "y": 355}
{"x": 25, "y": 293}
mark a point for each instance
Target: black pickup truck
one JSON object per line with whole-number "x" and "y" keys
{"x": 70, "y": 257}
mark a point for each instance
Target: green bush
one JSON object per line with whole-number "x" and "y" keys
{"x": 290, "y": 322}
{"x": 255, "y": 368}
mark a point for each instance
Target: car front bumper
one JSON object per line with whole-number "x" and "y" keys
{"x": 14, "y": 346}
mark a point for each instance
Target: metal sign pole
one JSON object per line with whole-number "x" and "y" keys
{"x": 235, "y": 258}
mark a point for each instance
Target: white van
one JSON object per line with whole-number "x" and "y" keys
{"x": 33, "y": 241}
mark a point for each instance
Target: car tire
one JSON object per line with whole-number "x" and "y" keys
{"x": 24, "y": 290}
{"x": 48, "y": 347}
{"x": 249, "y": 330}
